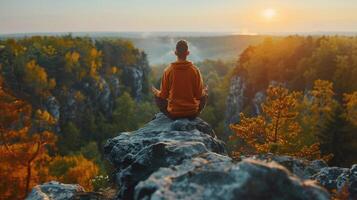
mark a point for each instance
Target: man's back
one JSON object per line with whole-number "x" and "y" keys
{"x": 181, "y": 92}
{"x": 182, "y": 86}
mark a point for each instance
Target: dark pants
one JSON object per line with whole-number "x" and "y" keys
{"x": 162, "y": 104}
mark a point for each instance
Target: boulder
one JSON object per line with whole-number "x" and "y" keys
{"x": 302, "y": 168}
{"x": 352, "y": 182}
{"x": 331, "y": 178}
{"x": 183, "y": 159}
{"x": 161, "y": 143}
{"x": 215, "y": 177}
{"x": 336, "y": 178}
{"x": 54, "y": 191}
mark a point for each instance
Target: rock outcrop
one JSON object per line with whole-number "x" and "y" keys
{"x": 183, "y": 159}
{"x": 302, "y": 168}
{"x": 235, "y": 100}
{"x": 97, "y": 94}
{"x": 161, "y": 143}
{"x": 54, "y": 191}
{"x": 335, "y": 178}
{"x": 215, "y": 177}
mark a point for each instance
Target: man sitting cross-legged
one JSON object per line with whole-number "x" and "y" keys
{"x": 182, "y": 94}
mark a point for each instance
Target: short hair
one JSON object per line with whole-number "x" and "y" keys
{"x": 181, "y": 47}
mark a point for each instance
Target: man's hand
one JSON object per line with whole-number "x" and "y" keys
{"x": 205, "y": 91}
{"x": 155, "y": 91}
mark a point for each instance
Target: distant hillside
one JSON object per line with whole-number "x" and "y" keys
{"x": 159, "y": 45}
{"x": 160, "y": 49}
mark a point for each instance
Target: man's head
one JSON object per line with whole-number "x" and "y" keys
{"x": 182, "y": 50}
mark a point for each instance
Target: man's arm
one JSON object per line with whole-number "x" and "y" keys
{"x": 198, "y": 86}
{"x": 164, "y": 87}
{"x": 203, "y": 100}
{"x": 162, "y": 95}
{"x": 201, "y": 93}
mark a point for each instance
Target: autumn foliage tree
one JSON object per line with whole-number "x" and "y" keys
{"x": 350, "y": 101}
{"x": 24, "y": 150}
{"x": 20, "y": 150}
{"x": 73, "y": 169}
{"x": 277, "y": 130}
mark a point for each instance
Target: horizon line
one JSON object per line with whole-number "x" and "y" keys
{"x": 213, "y": 33}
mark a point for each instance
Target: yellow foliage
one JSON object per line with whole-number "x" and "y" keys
{"x": 24, "y": 158}
{"x": 52, "y": 83}
{"x": 44, "y": 116}
{"x": 49, "y": 50}
{"x": 351, "y": 107}
{"x": 276, "y": 130}
{"x": 252, "y": 130}
{"x": 72, "y": 59}
{"x": 114, "y": 70}
{"x": 79, "y": 96}
{"x": 36, "y": 76}
{"x": 280, "y": 107}
{"x": 74, "y": 169}
{"x": 322, "y": 94}
{"x": 95, "y": 62}
{"x": 95, "y": 53}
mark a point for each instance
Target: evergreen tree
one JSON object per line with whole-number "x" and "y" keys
{"x": 335, "y": 137}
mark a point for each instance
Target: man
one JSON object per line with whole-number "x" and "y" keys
{"x": 181, "y": 94}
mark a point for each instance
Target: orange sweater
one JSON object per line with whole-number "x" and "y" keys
{"x": 182, "y": 86}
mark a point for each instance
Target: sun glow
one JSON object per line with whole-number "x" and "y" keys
{"x": 269, "y": 13}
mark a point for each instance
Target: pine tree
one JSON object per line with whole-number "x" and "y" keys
{"x": 334, "y": 136}
{"x": 276, "y": 130}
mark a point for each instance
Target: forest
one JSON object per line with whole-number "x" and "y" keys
{"x": 310, "y": 96}
{"x": 62, "y": 97}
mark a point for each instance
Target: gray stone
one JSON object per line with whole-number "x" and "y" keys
{"x": 134, "y": 78}
{"x": 115, "y": 86}
{"x": 352, "y": 182}
{"x": 161, "y": 143}
{"x": 219, "y": 178}
{"x": 53, "y": 107}
{"x": 337, "y": 178}
{"x": 183, "y": 159}
{"x": 235, "y": 100}
{"x": 330, "y": 177}
{"x": 258, "y": 99}
{"x": 302, "y": 168}
{"x": 54, "y": 191}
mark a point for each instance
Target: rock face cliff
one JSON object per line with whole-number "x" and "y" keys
{"x": 183, "y": 159}
{"x": 97, "y": 94}
{"x": 238, "y": 99}
{"x": 235, "y": 100}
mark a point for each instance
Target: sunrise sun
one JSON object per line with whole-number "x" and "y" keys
{"x": 269, "y": 13}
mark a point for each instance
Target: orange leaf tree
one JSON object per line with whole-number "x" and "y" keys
{"x": 277, "y": 129}
{"x": 24, "y": 156}
{"x": 20, "y": 150}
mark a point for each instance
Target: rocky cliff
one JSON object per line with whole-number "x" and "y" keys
{"x": 183, "y": 159}
{"x": 239, "y": 99}
{"x": 98, "y": 94}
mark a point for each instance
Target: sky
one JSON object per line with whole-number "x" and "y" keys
{"x": 238, "y": 16}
